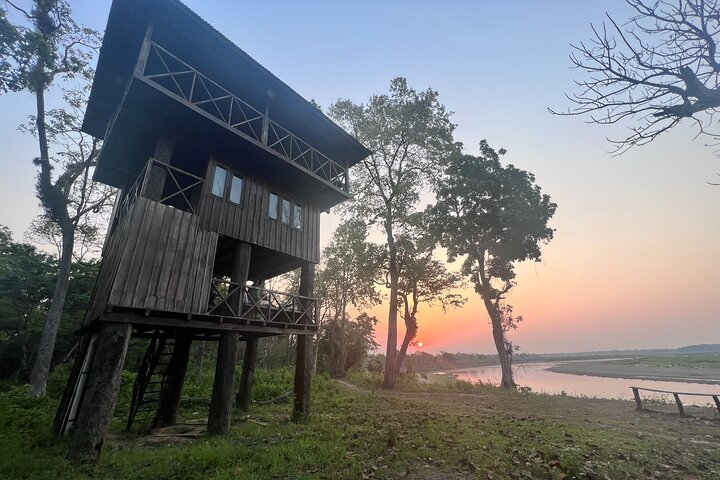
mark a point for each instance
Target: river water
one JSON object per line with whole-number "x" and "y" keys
{"x": 540, "y": 380}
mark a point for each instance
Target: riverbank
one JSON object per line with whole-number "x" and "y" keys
{"x": 625, "y": 369}
{"x": 423, "y": 432}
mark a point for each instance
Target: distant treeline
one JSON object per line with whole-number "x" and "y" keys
{"x": 425, "y": 362}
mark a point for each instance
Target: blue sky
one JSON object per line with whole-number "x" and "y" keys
{"x": 635, "y": 261}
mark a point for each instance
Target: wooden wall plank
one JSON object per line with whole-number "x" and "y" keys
{"x": 150, "y": 253}
{"x": 188, "y": 233}
{"x": 164, "y": 298}
{"x": 134, "y": 257}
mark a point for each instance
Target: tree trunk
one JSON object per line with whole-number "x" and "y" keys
{"x": 507, "y": 380}
{"x": 101, "y": 392}
{"x": 411, "y": 329}
{"x": 390, "y": 355}
{"x": 41, "y": 369}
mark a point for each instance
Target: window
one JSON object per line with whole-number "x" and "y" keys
{"x": 273, "y": 211}
{"x": 297, "y": 216}
{"x": 218, "y": 185}
{"x": 236, "y": 189}
{"x": 286, "y": 211}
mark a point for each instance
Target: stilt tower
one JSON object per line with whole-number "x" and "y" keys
{"x": 223, "y": 171}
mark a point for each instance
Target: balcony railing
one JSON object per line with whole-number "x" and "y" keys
{"x": 177, "y": 188}
{"x": 167, "y": 71}
{"x": 259, "y": 305}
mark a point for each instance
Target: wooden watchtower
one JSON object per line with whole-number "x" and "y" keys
{"x": 223, "y": 172}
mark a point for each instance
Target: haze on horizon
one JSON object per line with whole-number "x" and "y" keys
{"x": 634, "y": 263}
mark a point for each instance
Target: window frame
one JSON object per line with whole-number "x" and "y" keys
{"x": 231, "y": 189}
{"x": 213, "y": 182}
{"x": 274, "y": 213}
{"x": 289, "y": 203}
{"x": 297, "y": 206}
{"x": 295, "y": 217}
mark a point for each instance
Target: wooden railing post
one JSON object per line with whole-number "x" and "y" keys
{"x": 638, "y": 401}
{"x": 679, "y": 404}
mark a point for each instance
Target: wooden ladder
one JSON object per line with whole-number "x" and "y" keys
{"x": 152, "y": 380}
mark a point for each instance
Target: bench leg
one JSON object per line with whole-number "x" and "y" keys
{"x": 638, "y": 401}
{"x": 679, "y": 404}
{"x": 717, "y": 402}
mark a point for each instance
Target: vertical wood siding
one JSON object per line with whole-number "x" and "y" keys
{"x": 249, "y": 221}
{"x": 157, "y": 259}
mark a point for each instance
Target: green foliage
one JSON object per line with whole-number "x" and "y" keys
{"x": 27, "y": 277}
{"x": 494, "y": 215}
{"x": 409, "y": 133}
{"x": 347, "y": 278}
{"x": 357, "y": 337}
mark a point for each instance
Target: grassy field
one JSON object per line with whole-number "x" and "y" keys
{"x": 422, "y": 432}
{"x": 692, "y": 360}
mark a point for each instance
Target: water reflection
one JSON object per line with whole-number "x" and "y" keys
{"x": 540, "y": 380}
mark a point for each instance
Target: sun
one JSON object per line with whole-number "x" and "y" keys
{"x": 419, "y": 344}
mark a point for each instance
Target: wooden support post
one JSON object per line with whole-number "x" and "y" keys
{"x": 220, "y": 414}
{"x": 265, "y": 125}
{"x": 679, "y": 404}
{"x": 638, "y": 401}
{"x": 303, "y": 362}
{"x": 101, "y": 392}
{"x": 154, "y": 183}
{"x": 244, "y": 395}
{"x": 177, "y": 368}
{"x": 241, "y": 267}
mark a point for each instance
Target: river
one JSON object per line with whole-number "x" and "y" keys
{"x": 540, "y": 380}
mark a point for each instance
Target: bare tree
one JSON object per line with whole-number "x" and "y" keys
{"x": 655, "y": 70}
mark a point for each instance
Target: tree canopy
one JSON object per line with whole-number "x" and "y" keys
{"x": 409, "y": 133}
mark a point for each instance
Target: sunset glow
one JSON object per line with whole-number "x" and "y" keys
{"x": 634, "y": 262}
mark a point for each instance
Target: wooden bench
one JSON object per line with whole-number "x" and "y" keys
{"x": 678, "y": 402}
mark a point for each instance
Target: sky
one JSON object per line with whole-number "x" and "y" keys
{"x": 634, "y": 262}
